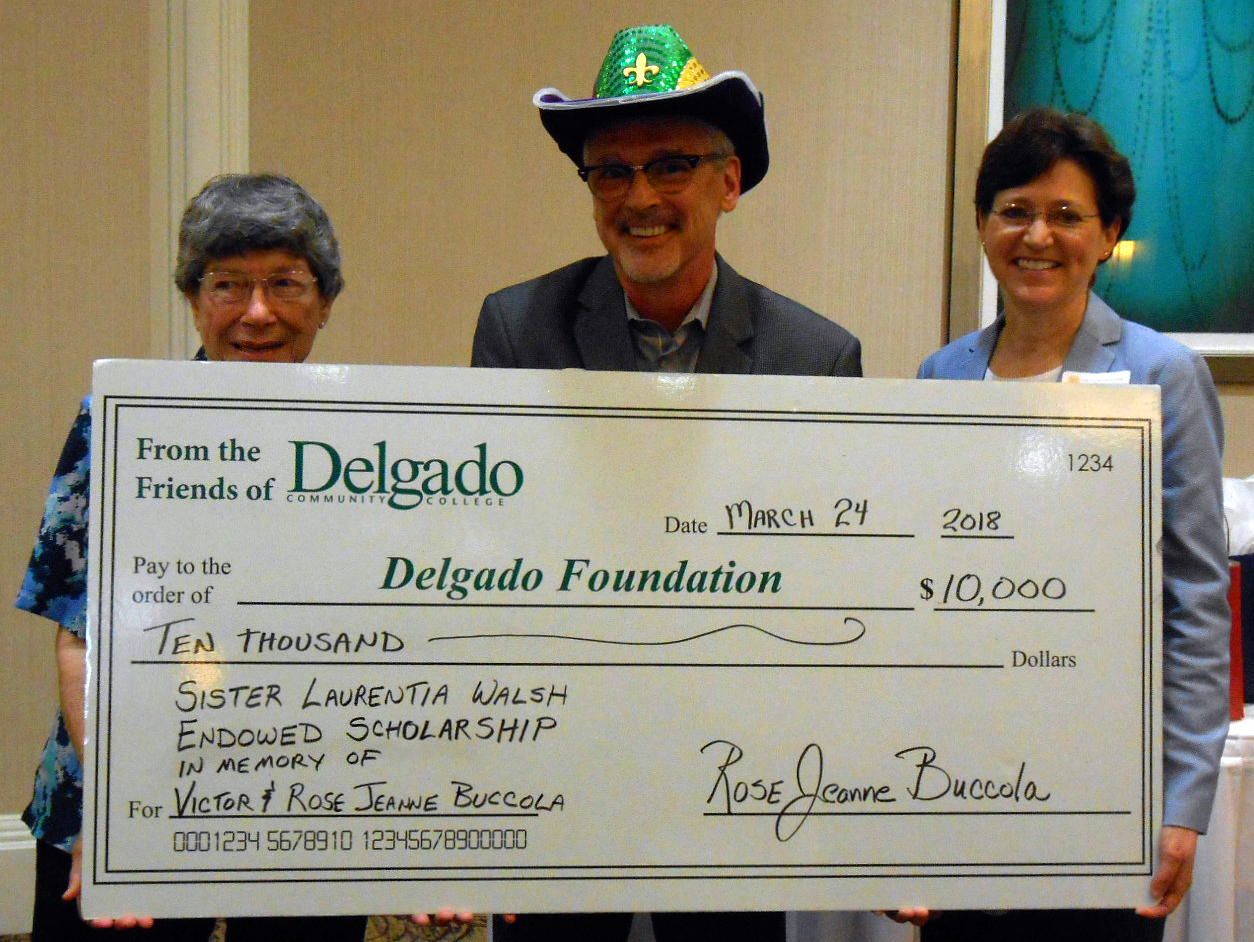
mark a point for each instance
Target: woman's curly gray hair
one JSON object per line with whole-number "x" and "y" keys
{"x": 238, "y": 213}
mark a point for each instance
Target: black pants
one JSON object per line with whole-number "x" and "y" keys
{"x": 1044, "y": 925}
{"x": 615, "y": 927}
{"x": 55, "y": 920}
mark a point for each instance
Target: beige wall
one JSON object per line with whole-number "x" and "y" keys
{"x": 417, "y": 130}
{"x": 73, "y": 286}
{"x": 412, "y": 121}
{"x": 1238, "y": 405}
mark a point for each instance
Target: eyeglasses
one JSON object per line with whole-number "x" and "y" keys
{"x": 666, "y": 175}
{"x": 232, "y": 287}
{"x": 1013, "y": 216}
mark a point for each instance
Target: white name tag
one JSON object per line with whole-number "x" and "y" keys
{"x": 1117, "y": 378}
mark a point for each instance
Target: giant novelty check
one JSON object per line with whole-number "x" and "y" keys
{"x": 385, "y": 639}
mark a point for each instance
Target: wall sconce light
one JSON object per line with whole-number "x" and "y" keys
{"x": 1123, "y": 253}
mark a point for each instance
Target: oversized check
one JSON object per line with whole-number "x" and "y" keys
{"x": 382, "y": 639}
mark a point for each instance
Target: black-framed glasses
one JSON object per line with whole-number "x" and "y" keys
{"x": 1014, "y": 216}
{"x": 666, "y": 174}
{"x": 233, "y": 287}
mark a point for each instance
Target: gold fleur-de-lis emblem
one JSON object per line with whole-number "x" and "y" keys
{"x": 641, "y": 71}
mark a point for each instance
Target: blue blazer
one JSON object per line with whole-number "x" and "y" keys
{"x": 1196, "y": 619}
{"x": 576, "y": 317}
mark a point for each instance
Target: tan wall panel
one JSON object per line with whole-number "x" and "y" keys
{"x": 1238, "y": 405}
{"x": 73, "y": 287}
{"x": 413, "y": 122}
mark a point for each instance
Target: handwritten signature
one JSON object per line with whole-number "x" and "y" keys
{"x": 811, "y": 792}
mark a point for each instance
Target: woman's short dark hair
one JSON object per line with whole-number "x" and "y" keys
{"x": 239, "y": 213}
{"x": 1032, "y": 142}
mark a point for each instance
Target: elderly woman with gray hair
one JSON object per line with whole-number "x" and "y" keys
{"x": 259, "y": 265}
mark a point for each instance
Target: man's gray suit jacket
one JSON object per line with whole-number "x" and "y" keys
{"x": 576, "y": 317}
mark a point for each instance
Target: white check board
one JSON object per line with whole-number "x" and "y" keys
{"x": 382, "y": 639}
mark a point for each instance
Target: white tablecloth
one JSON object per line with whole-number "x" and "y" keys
{"x": 1220, "y": 907}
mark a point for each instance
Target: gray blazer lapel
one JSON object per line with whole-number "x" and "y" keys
{"x": 600, "y": 327}
{"x": 729, "y": 331}
{"x": 974, "y": 360}
{"x": 1093, "y": 349}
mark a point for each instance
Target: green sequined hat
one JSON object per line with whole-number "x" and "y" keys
{"x": 650, "y": 72}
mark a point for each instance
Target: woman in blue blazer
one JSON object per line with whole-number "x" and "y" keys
{"x": 1053, "y": 197}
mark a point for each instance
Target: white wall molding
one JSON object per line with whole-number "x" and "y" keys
{"x": 198, "y": 104}
{"x": 17, "y": 875}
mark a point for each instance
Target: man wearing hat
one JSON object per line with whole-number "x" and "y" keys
{"x": 666, "y": 149}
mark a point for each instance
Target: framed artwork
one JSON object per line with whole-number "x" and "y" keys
{"x": 1173, "y": 83}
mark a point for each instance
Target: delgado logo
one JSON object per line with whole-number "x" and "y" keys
{"x": 405, "y": 482}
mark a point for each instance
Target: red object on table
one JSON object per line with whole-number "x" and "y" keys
{"x": 1236, "y": 689}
